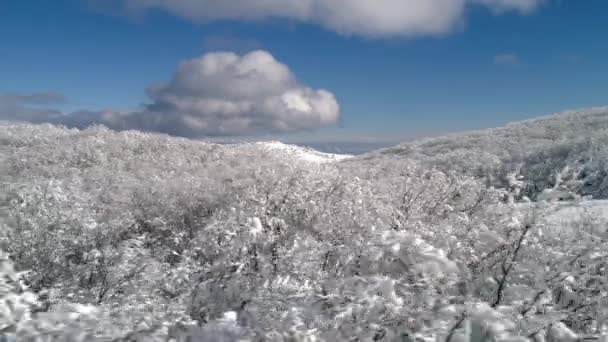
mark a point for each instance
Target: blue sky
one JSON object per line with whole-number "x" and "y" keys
{"x": 493, "y": 66}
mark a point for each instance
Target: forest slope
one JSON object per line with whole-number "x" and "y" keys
{"x": 567, "y": 151}
{"x": 141, "y": 237}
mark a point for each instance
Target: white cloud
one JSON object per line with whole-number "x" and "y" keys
{"x": 371, "y": 18}
{"x": 227, "y": 94}
{"x": 218, "y": 94}
{"x": 16, "y": 107}
{"x": 507, "y": 59}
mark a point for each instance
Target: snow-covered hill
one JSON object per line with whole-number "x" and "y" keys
{"x": 565, "y": 152}
{"x": 301, "y": 153}
{"x": 242, "y": 239}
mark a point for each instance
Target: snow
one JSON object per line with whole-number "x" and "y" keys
{"x": 302, "y": 153}
{"x": 568, "y": 214}
{"x": 255, "y": 226}
{"x": 381, "y": 292}
{"x": 560, "y": 332}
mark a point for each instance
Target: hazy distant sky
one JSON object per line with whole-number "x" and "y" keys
{"x": 322, "y": 70}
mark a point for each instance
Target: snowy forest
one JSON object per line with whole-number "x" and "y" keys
{"x": 492, "y": 235}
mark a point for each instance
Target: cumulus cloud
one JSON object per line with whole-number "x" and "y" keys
{"x": 507, "y": 59}
{"x": 227, "y": 94}
{"x": 218, "y": 94}
{"x": 371, "y": 18}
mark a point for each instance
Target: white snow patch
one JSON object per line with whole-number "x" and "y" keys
{"x": 302, "y": 153}
{"x": 255, "y": 226}
{"x": 229, "y": 316}
{"x": 568, "y": 215}
{"x": 560, "y": 332}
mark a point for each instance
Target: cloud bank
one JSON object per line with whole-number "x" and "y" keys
{"x": 15, "y": 107}
{"x": 369, "y": 18}
{"x": 218, "y": 94}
